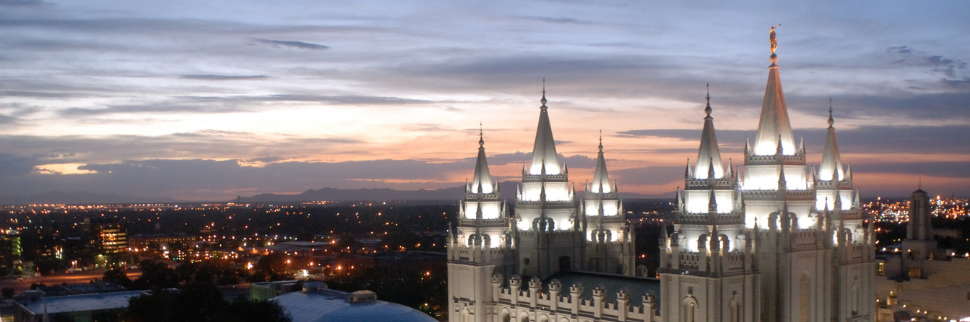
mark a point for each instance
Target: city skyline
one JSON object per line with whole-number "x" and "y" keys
{"x": 209, "y": 101}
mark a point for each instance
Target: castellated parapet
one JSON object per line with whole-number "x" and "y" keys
{"x": 538, "y": 301}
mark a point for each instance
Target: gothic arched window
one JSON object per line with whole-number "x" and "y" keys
{"x": 688, "y": 310}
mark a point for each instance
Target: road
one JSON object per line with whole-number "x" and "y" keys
{"x": 69, "y": 278}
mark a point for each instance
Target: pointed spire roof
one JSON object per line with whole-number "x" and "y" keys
{"x": 774, "y": 114}
{"x": 601, "y": 179}
{"x": 831, "y": 167}
{"x": 482, "y": 182}
{"x": 709, "y": 155}
{"x": 544, "y": 156}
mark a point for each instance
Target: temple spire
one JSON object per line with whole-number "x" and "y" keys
{"x": 774, "y": 121}
{"x": 708, "y": 155}
{"x": 831, "y": 167}
{"x": 544, "y": 156}
{"x": 601, "y": 180}
{"x": 482, "y": 182}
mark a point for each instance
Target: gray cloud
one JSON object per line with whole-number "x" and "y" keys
{"x": 579, "y": 161}
{"x": 33, "y": 94}
{"x": 557, "y": 20}
{"x": 173, "y": 107}
{"x": 903, "y": 55}
{"x": 224, "y": 77}
{"x": 648, "y": 175}
{"x": 234, "y": 104}
{"x": 25, "y": 3}
{"x": 200, "y": 144}
{"x": 12, "y": 166}
{"x": 867, "y": 139}
{"x": 291, "y": 44}
{"x": 956, "y": 169}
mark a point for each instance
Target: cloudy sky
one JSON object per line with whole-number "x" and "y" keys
{"x": 206, "y": 100}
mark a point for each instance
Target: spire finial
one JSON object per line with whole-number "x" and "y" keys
{"x": 831, "y": 120}
{"x": 708, "y": 109}
{"x": 601, "y": 141}
{"x": 708, "y": 93}
{"x": 774, "y": 44}
{"x": 481, "y": 135}
{"x": 543, "y": 100}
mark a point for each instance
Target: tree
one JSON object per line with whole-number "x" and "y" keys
{"x": 8, "y": 292}
{"x": 117, "y": 276}
{"x": 155, "y": 274}
{"x": 273, "y": 264}
{"x": 255, "y": 311}
{"x": 200, "y": 302}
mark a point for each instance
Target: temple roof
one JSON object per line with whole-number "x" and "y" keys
{"x": 601, "y": 179}
{"x": 774, "y": 124}
{"x": 831, "y": 160}
{"x": 544, "y": 153}
{"x": 709, "y": 154}
{"x": 482, "y": 182}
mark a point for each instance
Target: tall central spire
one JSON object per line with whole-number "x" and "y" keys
{"x": 544, "y": 156}
{"x": 709, "y": 155}
{"x": 774, "y": 114}
{"x": 482, "y": 182}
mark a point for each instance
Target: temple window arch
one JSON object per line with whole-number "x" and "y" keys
{"x": 688, "y": 309}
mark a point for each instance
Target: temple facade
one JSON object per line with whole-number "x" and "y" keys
{"x": 773, "y": 239}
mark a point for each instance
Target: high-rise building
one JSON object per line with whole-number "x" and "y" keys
{"x": 10, "y": 251}
{"x": 773, "y": 240}
{"x": 108, "y": 235}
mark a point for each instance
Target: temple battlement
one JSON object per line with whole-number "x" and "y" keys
{"x": 496, "y": 222}
{"x": 723, "y": 183}
{"x": 774, "y": 159}
{"x": 544, "y": 178}
{"x": 735, "y": 217}
{"x": 778, "y": 194}
{"x": 549, "y": 301}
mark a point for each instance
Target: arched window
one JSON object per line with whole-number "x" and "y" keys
{"x": 688, "y": 309}
{"x": 506, "y": 317}
{"x": 735, "y": 311}
{"x": 856, "y": 300}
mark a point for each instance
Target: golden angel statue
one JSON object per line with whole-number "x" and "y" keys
{"x": 771, "y": 38}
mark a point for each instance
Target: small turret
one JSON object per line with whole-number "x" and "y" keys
{"x": 782, "y": 183}
{"x": 544, "y": 156}
{"x": 709, "y": 165}
{"x": 831, "y": 167}
{"x": 712, "y": 204}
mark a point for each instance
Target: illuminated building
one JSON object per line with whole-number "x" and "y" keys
{"x": 10, "y": 252}
{"x": 109, "y": 235}
{"x": 774, "y": 240}
{"x": 922, "y": 282}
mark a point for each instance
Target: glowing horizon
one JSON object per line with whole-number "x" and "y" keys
{"x": 206, "y": 101}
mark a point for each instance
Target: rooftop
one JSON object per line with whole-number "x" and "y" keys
{"x": 331, "y": 305}
{"x": 80, "y": 303}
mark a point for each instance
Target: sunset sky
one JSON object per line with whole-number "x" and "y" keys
{"x": 206, "y": 100}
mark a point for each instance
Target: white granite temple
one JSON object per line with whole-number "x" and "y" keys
{"x": 771, "y": 240}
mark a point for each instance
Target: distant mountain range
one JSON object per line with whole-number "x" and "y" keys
{"x": 507, "y": 188}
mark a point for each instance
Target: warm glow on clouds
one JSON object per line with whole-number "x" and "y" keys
{"x": 210, "y": 100}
